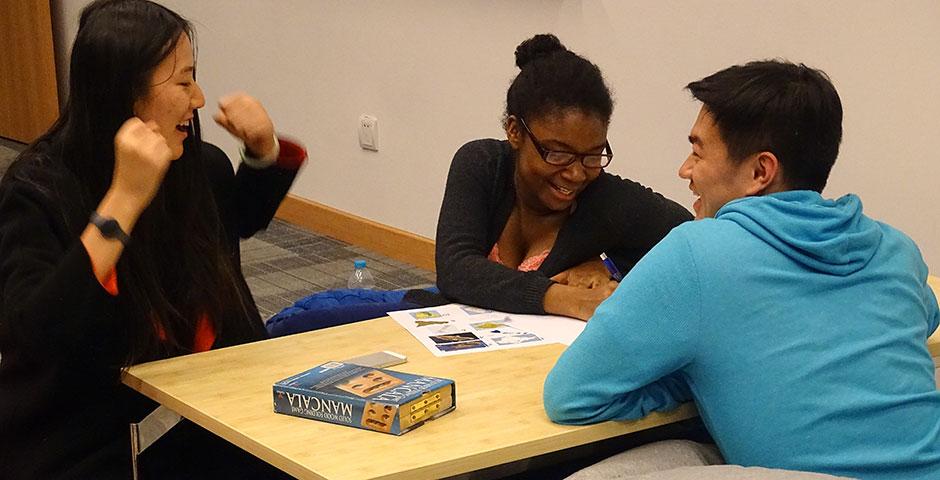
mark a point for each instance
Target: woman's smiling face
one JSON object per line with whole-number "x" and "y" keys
{"x": 173, "y": 96}
{"x": 547, "y": 188}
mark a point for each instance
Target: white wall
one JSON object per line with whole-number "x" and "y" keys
{"x": 435, "y": 74}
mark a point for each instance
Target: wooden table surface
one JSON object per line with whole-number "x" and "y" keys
{"x": 499, "y": 416}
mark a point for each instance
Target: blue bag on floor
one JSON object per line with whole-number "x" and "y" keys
{"x": 337, "y": 307}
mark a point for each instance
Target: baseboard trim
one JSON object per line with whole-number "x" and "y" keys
{"x": 389, "y": 241}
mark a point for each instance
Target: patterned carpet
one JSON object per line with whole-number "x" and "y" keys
{"x": 286, "y": 262}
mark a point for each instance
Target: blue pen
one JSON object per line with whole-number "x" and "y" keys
{"x": 611, "y": 267}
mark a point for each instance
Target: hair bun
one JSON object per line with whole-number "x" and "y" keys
{"x": 541, "y": 45}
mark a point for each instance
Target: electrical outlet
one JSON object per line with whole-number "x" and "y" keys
{"x": 369, "y": 132}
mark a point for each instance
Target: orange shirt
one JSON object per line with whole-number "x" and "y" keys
{"x": 527, "y": 265}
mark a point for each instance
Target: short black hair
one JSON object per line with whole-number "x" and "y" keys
{"x": 790, "y": 110}
{"x": 552, "y": 79}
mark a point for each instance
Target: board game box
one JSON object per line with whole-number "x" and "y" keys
{"x": 365, "y": 397}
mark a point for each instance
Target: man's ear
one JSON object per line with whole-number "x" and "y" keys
{"x": 514, "y": 132}
{"x": 766, "y": 174}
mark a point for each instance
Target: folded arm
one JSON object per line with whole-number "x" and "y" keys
{"x": 473, "y": 204}
{"x": 630, "y": 359}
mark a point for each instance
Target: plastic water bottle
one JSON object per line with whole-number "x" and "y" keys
{"x": 361, "y": 276}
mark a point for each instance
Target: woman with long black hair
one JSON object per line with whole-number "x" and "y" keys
{"x": 119, "y": 237}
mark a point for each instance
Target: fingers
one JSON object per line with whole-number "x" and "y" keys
{"x": 141, "y": 159}
{"x": 594, "y": 297}
{"x": 143, "y": 139}
{"x": 227, "y": 100}
{"x": 222, "y": 116}
{"x": 222, "y": 119}
{"x": 587, "y": 280}
{"x": 130, "y": 128}
{"x": 245, "y": 118}
{"x": 152, "y": 125}
{"x": 576, "y": 278}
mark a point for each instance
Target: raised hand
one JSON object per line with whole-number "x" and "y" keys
{"x": 246, "y": 119}
{"x": 141, "y": 159}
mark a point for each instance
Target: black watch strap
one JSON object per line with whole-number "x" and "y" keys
{"x": 109, "y": 228}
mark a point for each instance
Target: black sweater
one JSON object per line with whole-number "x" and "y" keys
{"x": 63, "y": 410}
{"x": 613, "y": 215}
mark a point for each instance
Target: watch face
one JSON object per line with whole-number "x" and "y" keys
{"x": 110, "y": 228}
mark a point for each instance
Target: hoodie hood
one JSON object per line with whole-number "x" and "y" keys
{"x": 830, "y": 236}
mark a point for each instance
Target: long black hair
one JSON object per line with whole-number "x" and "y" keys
{"x": 177, "y": 267}
{"x": 552, "y": 78}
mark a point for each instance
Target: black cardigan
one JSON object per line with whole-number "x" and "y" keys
{"x": 613, "y": 215}
{"x": 63, "y": 411}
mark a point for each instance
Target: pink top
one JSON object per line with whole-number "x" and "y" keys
{"x": 527, "y": 265}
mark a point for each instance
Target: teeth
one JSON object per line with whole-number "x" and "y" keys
{"x": 563, "y": 189}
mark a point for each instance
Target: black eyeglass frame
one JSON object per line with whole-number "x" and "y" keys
{"x": 545, "y": 153}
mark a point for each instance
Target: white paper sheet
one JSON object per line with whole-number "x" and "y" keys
{"x": 455, "y": 329}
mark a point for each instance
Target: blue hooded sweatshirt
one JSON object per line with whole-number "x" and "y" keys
{"x": 797, "y": 324}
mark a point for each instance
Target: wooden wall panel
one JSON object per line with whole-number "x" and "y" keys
{"x": 29, "y": 101}
{"x": 389, "y": 241}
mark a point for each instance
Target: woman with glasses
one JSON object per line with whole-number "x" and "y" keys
{"x": 525, "y": 220}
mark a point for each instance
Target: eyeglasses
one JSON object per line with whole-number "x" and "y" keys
{"x": 563, "y": 159}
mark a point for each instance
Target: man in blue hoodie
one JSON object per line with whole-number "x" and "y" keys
{"x": 797, "y": 324}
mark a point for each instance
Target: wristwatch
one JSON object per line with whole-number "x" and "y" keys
{"x": 109, "y": 228}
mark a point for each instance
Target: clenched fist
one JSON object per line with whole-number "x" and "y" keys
{"x": 245, "y": 118}
{"x": 141, "y": 159}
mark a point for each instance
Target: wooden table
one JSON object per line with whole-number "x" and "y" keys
{"x": 499, "y": 416}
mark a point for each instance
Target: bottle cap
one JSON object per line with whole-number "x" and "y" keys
{"x": 359, "y": 264}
